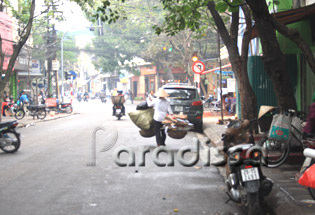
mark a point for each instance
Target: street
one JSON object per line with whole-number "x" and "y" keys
{"x": 50, "y": 174}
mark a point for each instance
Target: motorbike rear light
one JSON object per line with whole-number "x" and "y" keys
{"x": 256, "y": 154}
{"x": 197, "y": 103}
{"x": 235, "y": 156}
{"x": 15, "y": 124}
{"x": 248, "y": 167}
{"x": 198, "y": 117}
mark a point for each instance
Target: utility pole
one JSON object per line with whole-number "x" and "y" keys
{"x": 55, "y": 57}
{"x": 219, "y": 52}
{"x": 48, "y": 58}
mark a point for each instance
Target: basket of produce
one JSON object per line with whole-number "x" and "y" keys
{"x": 176, "y": 134}
{"x": 118, "y": 100}
{"x": 147, "y": 133}
{"x": 177, "y": 126}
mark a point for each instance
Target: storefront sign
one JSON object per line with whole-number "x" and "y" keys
{"x": 231, "y": 85}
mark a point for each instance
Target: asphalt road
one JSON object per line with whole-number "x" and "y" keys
{"x": 50, "y": 174}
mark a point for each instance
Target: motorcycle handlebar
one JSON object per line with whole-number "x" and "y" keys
{"x": 309, "y": 153}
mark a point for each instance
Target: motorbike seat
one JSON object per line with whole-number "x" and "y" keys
{"x": 6, "y": 124}
{"x": 35, "y": 107}
{"x": 239, "y": 148}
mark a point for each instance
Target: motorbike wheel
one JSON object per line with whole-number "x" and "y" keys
{"x": 10, "y": 141}
{"x": 276, "y": 152}
{"x": 312, "y": 192}
{"x": 41, "y": 114}
{"x": 119, "y": 117}
{"x": 214, "y": 108}
{"x": 253, "y": 204}
{"x": 19, "y": 114}
{"x": 206, "y": 104}
{"x": 69, "y": 109}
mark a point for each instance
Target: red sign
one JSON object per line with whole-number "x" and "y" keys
{"x": 51, "y": 102}
{"x": 198, "y": 67}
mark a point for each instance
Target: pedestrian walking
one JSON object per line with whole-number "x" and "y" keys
{"x": 161, "y": 107}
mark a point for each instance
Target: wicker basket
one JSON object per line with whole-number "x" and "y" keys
{"x": 147, "y": 133}
{"x": 176, "y": 134}
{"x": 118, "y": 100}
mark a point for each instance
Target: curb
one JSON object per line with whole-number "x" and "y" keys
{"x": 35, "y": 121}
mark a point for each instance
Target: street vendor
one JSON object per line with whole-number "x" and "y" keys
{"x": 161, "y": 107}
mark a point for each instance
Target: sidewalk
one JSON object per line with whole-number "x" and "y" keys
{"x": 29, "y": 121}
{"x": 287, "y": 196}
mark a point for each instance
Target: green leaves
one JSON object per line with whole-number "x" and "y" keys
{"x": 221, "y": 6}
{"x": 228, "y": 5}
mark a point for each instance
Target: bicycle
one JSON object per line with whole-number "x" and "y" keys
{"x": 277, "y": 151}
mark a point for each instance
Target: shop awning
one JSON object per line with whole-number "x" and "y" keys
{"x": 32, "y": 74}
{"x": 290, "y": 16}
{"x": 217, "y": 68}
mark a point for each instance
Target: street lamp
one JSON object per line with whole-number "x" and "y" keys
{"x": 61, "y": 53}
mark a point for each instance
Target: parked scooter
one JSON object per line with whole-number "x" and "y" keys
{"x": 206, "y": 103}
{"x": 65, "y": 107}
{"x": 9, "y": 138}
{"x": 245, "y": 180}
{"x": 38, "y": 111}
{"x": 309, "y": 161}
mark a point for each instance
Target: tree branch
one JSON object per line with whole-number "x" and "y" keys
{"x": 296, "y": 37}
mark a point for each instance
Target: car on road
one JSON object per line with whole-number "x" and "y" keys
{"x": 185, "y": 99}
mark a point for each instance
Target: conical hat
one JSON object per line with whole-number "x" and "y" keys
{"x": 161, "y": 93}
{"x": 264, "y": 109}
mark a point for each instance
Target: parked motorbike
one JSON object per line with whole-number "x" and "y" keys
{"x": 9, "y": 138}
{"x": 38, "y": 111}
{"x": 65, "y": 107}
{"x": 309, "y": 153}
{"x": 215, "y": 106}
{"x": 207, "y": 102}
{"x": 245, "y": 180}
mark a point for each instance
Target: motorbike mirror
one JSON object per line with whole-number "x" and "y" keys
{"x": 202, "y": 98}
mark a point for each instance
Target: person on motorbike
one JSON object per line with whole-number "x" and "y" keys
{"x": 24, "y": 98}
{"x": 309, "y": 129}
{"x": 119, "y": 93}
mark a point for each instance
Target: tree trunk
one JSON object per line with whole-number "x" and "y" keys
{"x": 204, "y": 90}
{"x": 239, "y": 64}
{"x": 273, "y": 58}
{"x": 17, "y": 48}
